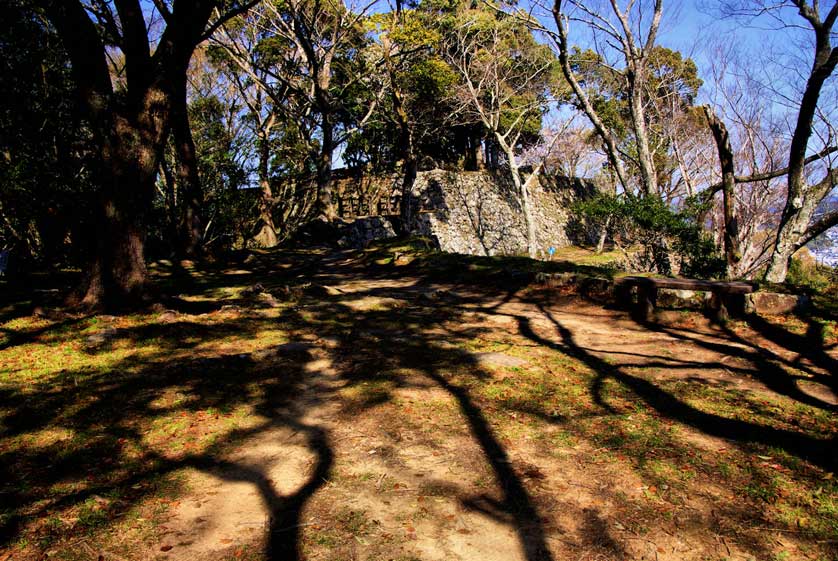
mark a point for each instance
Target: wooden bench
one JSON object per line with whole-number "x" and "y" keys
{"x": 647, "y": 293}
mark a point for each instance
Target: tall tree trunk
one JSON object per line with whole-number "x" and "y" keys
{"x": 731, "y": 231}
{"x": 522, "y": 191}
{"x": 408, "y": 155}
{"x": 477, "y": 150}
{"x": 529, "y": 220}
{"x": 603, "y": 236}
{"x": 648, "y": 176}
{"x": 171, "y": 201}
{"x": 129, "y": 161}
{"x": 192, "y": 201}
{"x": 267, "y": 234}
{"x": 324, "y": 208}
{"x": 411, "y": 170}
{"x": 608, "y": 140}
{"x": 802, "y": 200}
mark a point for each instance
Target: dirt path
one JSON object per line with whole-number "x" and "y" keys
{"x": 394, "y": 448}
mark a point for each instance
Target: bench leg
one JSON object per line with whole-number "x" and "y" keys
{"x": 718, "y": 309}
{"x": 647, "y": 297}
{"x": 622, "y": 295}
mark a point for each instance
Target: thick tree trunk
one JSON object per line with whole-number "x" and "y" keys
{"x": 778, "y": 266}
{"x": 529, "y": 220}
{"x": 731, "y": 231}
{"x": 797, "y": 227}
{"x": 267, "y": 234}
{"x": 130, "y": 126}
{"x": 191, "y": 213}
{"x": 129, "y": 160}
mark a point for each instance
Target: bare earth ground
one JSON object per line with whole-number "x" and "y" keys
{"x": 383, "y": 414}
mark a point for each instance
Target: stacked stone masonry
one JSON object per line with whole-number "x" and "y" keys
{"x": 473, "y": 213}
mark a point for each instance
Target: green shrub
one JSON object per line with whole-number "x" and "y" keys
{"x": 662, "y": 234}
{"x": 805, "y": 273}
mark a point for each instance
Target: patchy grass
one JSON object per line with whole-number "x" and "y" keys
{"x": 594, "y": 439}
{"x": 418, "y": 257}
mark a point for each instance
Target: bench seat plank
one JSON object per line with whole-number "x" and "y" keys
{"x": 729, "y": 287}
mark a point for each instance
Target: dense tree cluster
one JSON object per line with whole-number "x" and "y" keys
{"x": 133, "y": 128}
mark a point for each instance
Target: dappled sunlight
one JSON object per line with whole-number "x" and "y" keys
{"x": 396, "y": 414}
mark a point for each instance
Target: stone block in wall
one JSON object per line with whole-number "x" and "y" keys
{"x": 361, "y": 232}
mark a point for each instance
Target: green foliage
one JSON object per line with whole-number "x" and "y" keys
{"x": 673, "y": 85}
{"x": 807, "y": 274}
{"x": 45, "y": 158}
{"x": 410, "y": 53}
{"x": 659, "y": 231}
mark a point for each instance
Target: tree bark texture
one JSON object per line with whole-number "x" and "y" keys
{"x": 731, "y": 226}
{"x": 130, "y": 128}
{"x": 803, "y": 199}
{"x": 267, "y": 234}
{"x": 191, "y": 227}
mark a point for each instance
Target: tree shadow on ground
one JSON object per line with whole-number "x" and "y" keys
{"x": 821, "y": 452}
{"x": 775, "y": 371}
{"x": 109, "y": 410}
{"x": 422, "y": 347}
{"x": 807, "y": 346}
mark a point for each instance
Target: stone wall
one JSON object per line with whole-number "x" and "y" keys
{"x": 472, "y": 213}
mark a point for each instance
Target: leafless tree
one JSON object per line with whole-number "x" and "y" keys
{"x": 798, "y": 225}
{"x": 809, "y": 174}
{"x": 631, "y": 31}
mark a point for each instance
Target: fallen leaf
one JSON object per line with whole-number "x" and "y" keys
{"x": 166, "y": 548}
